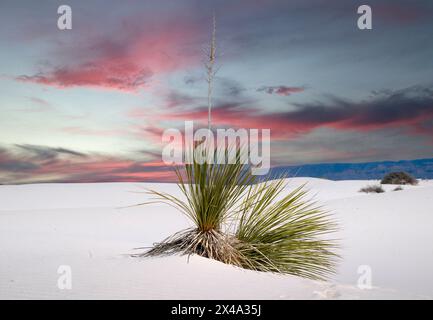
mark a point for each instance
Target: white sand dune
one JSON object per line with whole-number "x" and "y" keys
{"x": 81, "y": 226}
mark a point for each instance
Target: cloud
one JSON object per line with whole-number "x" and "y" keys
{"x": 192, "y": 80}
{"x": 126, "y": 61}
{"x": 30, "y": 163}
{"x": 11, "y": 164}
{"x": 127, "y": 78}
{"x": 176, "y": 99}
{"x": 407, "y": 108}
{"x": 47, "y": 153}
{"x": 172, "y": 101}
{"x": 408, "y": 111}
{"x": 40, "y": 101}
{"x": 229, "y": 87}
{"x": 281, "y": 90}
{"x": 151, "y": 133}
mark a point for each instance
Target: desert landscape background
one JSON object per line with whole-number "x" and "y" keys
{"x": 87, "y": 227}
{"x": 88, "y": 89}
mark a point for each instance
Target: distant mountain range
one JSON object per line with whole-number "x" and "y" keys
{"x": 420, "y": 168}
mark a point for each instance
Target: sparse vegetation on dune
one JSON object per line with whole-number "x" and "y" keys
{"x": 372, "y": 189}
{"x": 399, "y": 178}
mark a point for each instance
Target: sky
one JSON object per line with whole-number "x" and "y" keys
{"x": 90, "y": 104}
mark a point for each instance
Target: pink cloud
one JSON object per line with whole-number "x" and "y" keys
{"x": 29, "y": 163}
{"x": 98, "y": 75}
{"x": 406, "y": 108}
{"x": 126, "y": 63}
{"x": 246, "y": 117}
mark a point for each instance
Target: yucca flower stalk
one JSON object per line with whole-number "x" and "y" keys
{"x": 210, "y": 70}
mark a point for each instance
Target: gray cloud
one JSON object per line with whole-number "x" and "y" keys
{"x": 48, "y": 153}
{"x": 30, "y": 163}
{"x": 281, "y": 90}
{"x": 408, "y": 106}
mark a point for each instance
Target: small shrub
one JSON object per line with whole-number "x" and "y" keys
{"x": 399, "y": 178}
{"x": 372, "y": 189}
{"x": 399, "y": 188}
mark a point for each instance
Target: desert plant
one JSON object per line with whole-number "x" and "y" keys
{"x": 372, "y": 189}
{"x": 399, "y": 178}
{"x": 243, "y": 223}
{"x": 239, "y": 222}
{"x": 285, "y": 235}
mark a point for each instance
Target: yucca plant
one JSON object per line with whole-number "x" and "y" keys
{"x": 239, "y": 222}
{"x": 248, "y": 224}
{"x": 285, "y": 234}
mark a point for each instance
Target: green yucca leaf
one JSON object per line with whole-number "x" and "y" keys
{"x": 285, "y": 235}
